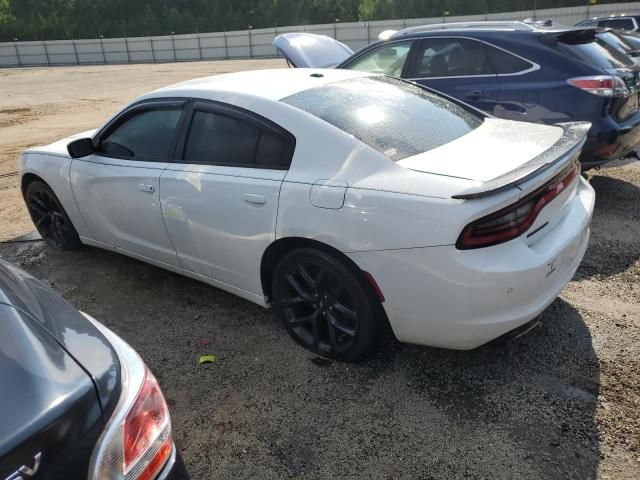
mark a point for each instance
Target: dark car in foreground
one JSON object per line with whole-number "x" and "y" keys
{"x": 514, "y": 70}
{"x": 77, "y": 401}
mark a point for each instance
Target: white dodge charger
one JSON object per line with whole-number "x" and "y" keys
{"x": 344, "y": 200}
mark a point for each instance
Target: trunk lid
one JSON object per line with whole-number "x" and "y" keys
{"x": 76, "y": 336}
{"x": 50, "y": 417}
{"x": 308, "y": 50}
{"x": 505, "y": 154}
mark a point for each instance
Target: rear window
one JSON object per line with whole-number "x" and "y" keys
{"x": 616, "y": 41}
{"x": 593, "y": 50}
{"x": 394, "y": 117}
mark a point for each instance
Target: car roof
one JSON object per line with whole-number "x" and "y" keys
{"x": 486, "y": 26}
{"x": 274, "y": 84}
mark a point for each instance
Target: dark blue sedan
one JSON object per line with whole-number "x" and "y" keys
{"x": 514, "y": 70}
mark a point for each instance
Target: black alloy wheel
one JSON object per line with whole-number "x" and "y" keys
{"x": 323, "y": 305}
{"x": 49, "y": 217}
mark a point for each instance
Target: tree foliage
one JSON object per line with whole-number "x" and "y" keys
{"x": 63, "y": 19}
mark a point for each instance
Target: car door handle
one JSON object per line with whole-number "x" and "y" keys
{"x": 255, "y": 199}
{"x": 145, "y": 187}
{"x": 476, "y": 95}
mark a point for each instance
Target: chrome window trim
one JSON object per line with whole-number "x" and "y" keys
{"x": 534, "y": 66}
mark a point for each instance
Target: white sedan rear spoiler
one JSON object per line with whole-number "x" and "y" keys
{"x": 557, "y": 157}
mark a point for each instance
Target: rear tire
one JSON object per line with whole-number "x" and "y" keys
{"x": 49, "y": 218}
{"x": 323, "y": 305}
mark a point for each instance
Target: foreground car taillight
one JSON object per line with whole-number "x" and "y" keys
{"x": 136, "y": 443}
{"x": 147, "y": 432}
{"x": 514, "y": 220}
{"x": 601, "y": 85}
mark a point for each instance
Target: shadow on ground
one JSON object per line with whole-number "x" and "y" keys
{"x": 615, "y": 228}
{"x": 266, "y": 410}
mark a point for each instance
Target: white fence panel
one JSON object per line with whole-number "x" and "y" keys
{"x": 253, "y": 43}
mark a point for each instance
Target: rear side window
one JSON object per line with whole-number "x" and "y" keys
{"x": 218, "y": 139}
{"x": 396, "y": 118}
{"x": 619, "y": 23}
{"x": 145, "y": 135}
{"x": 592, "y": 50}
{"x": 452, "y": 57}
{"x": 505, "y": 62}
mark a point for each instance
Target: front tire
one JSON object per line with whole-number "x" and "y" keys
{"x": 324, "y": 305}
{"x": 50, "y": 219}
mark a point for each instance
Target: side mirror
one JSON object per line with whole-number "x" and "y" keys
{"x": 80, "y": 148}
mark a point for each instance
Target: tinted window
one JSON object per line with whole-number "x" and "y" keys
{"x": 632, "y": 39}
{"x": 592, "y": 50}
{"x": 505, "y": 62}
{"x": 271, "y": 150}
{"x": 587, "y": 23}
{"x": 387, "y": 59}
{"x": 146, "y": 135}
{"x": 218, "y": 139}
{"x": 452, "y": 57}
{"x": 620, "y": 23}
{"x": 396, "y": 118}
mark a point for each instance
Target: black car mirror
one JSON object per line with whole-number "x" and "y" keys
{"x": 80, "y": 148}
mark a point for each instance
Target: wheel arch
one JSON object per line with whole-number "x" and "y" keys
{"x": 278, "y": 249}
{"x": 29, "y": 178}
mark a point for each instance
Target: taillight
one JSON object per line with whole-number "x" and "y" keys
{"x": 136, "y": 443}
{"x": 514, "y": 220}
{"x": 601, "y": 85}
{"x": 147, "y": 432}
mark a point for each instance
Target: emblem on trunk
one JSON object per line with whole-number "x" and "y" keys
{"x": 24, "y": 471}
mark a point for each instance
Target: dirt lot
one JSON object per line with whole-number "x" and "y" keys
{"x": 562, "y": 402}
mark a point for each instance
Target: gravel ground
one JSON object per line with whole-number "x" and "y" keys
{"x": 561, "y": 402}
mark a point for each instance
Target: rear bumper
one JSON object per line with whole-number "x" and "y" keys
{"x": 444, "y": 297}
{"x": 609, "y": 140}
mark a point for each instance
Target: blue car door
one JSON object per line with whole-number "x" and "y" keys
{"x": 457, "y": 66}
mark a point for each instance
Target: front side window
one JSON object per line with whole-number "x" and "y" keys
{"x": 218, "y": 139}
{"x": 144, "y": 135}
{"x": 386, "y": 59}
{"x": 396, "y": 118}
{"x": 452, "y": 57}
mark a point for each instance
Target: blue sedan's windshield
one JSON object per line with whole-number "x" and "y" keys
{"x": 396, "y": 118}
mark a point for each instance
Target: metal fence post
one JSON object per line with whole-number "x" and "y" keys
{"x": 153, "y": 51}
{"x": 199, "y": 46}
{"x": 15, "y": 46}
{"x": 368, "y": 33}
{"x": 104, "y": 58}
{"x": 173, "y": 47}
{"x": 126, "y": 47}
{"x": 75, "y": 51}
{"x": 46, "y": 52}
{"x": 226, "y": 47}
{"x": 335, "y": 30}
{"x": 250, "y": 46}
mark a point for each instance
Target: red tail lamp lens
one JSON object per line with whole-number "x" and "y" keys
{"x": 147, "y": 423}
{"x": 514, "y": 220}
